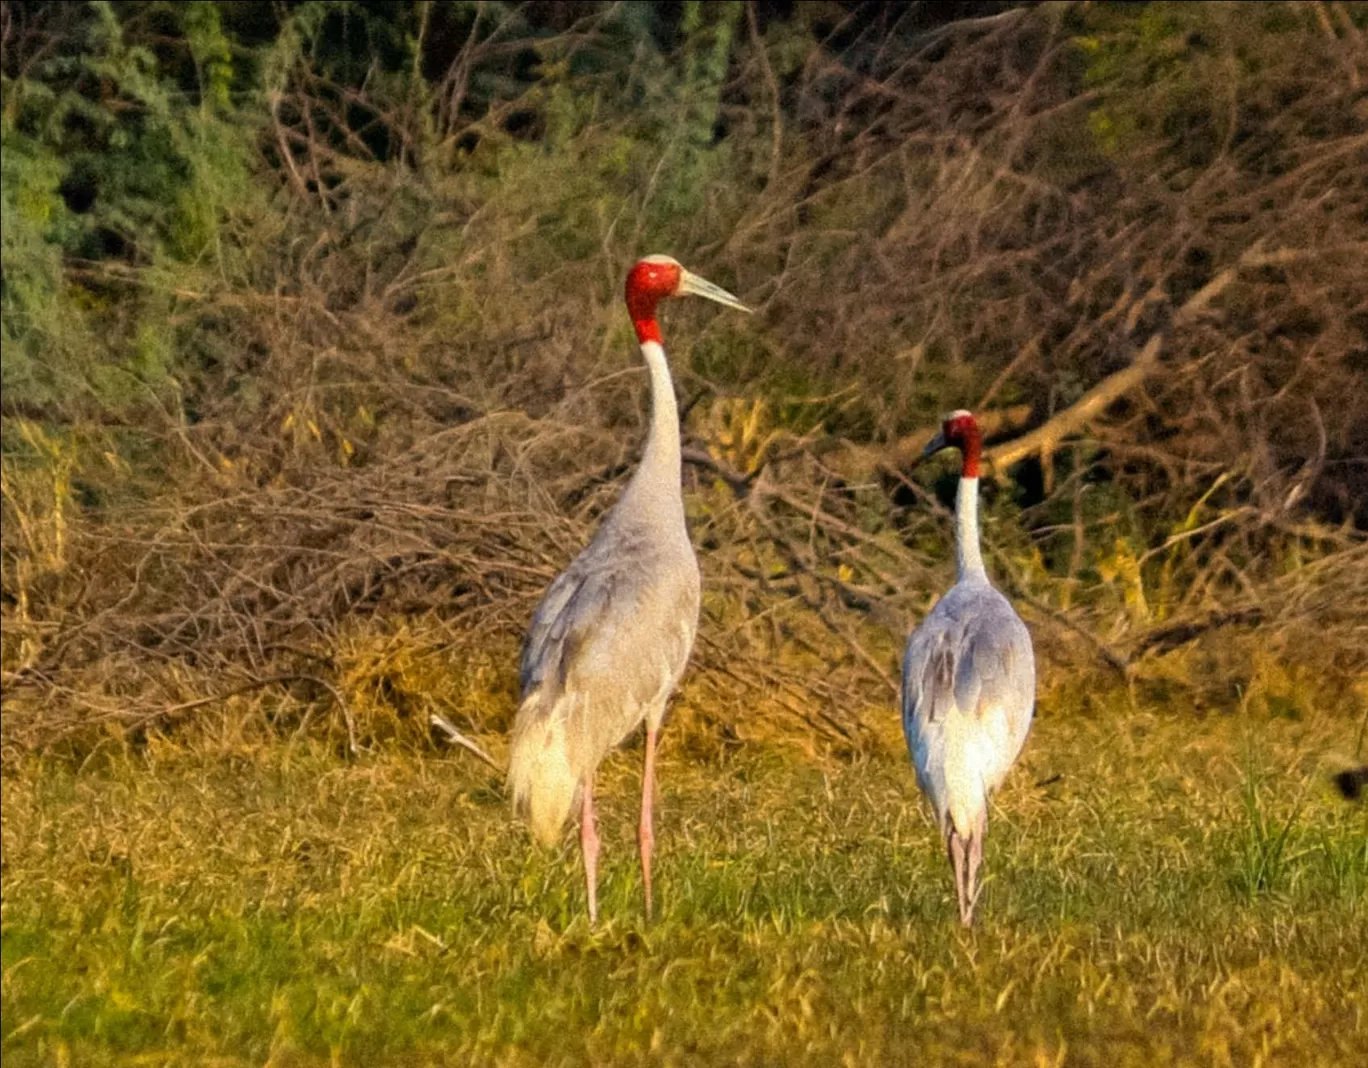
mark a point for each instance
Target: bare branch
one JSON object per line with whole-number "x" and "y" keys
{"x": 1044, "y": 440}
{"x": 456, "y": 738}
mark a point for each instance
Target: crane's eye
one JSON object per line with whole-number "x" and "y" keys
{"x": 659, "y": 279}
{"x": 652, "y": 280}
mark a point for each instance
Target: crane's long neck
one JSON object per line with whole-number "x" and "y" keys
{"x": 967, "y": 555}
{"x": 657, "y": 480}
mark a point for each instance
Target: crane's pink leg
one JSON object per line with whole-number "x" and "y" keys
{"x": 975, "y": 862}
{"x": 956, "y": 846}
{"x": 646, "y": 831}
{"x": 589, "y": 847}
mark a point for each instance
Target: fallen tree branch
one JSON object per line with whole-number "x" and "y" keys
{"x": 1171, "y": 636}
{"x": 1109, "y": 656}
{"x": 739, "y": 482}
{"x": 1045, "y": 439}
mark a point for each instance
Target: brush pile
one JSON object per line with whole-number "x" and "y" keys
{"x": 302, "y": 434}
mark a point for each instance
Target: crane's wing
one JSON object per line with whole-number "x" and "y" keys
{"x": 623, "y": 622}
{"x": 582, "y": 602}
{"x": 928, "y": 676}
{"x": 995, "y": 677}
{"x": 972, "y": 656}
{"x": 543, "y": 644}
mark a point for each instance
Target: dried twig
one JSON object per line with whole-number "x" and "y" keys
{"x": 456, "y": 738}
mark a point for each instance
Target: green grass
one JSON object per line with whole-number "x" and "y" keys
{"x": 1188, "y": 891}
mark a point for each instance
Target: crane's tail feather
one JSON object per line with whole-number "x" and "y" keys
{"x": 540, "y": 778}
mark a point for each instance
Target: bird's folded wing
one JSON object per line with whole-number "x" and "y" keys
{"x": 579, "y": 604}
{"x": 995, "y": 675}
{"x": 929, "y": 668}
{"x": 973, "y": 663}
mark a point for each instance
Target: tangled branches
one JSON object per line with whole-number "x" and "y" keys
{"x": 412, "y": 393}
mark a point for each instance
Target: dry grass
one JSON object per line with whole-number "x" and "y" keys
{"x": 1162, "y": 890}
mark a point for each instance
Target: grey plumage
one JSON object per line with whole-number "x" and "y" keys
{"x": 611, "y": 637}
{"x": 606, "y": 648}
{"x": 968, "y": 687}
{"x": 968, "y": 681}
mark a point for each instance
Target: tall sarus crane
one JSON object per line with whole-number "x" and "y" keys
{"x": 968, "y": 684}
{"x": 613, "y": 632}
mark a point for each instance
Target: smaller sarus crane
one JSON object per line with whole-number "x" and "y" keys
{"x": 610, "y": 639}
{"x": 968, "y": 684}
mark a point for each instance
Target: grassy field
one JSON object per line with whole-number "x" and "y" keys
{"x": 1163, "y": 890}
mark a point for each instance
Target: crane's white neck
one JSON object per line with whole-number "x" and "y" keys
{"x": 967, "y": 555}
{"x": 657, "y": 479}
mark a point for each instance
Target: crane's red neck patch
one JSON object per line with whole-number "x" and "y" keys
{"x": 962, "y": 431}
{"x": 648, "y": 283}
{"x": 647, "y": 328}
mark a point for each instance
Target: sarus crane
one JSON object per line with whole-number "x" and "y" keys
{"x": 610, "y": 639}
{"x": 968, "y": 684}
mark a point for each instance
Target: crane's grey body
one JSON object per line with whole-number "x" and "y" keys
{"x": 967, "y": 702}
{"x": 608, "y": 644}
{"x": 968, "y": 690}
{"x": 611, "y": 637}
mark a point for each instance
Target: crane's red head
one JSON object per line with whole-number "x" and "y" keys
{"x": 960, "y": 431}
{"x": 653, "y": 279}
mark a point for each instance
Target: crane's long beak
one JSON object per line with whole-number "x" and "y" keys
{"x": 690, "y": 285}
{"x": 935, "y": 444}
